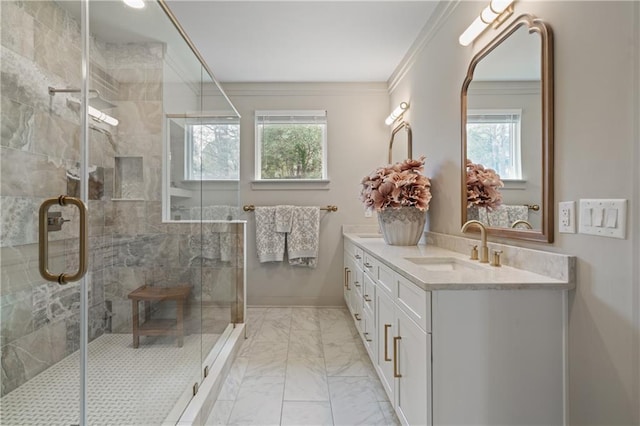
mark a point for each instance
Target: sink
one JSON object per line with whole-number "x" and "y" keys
{"x": 442, "y": 264}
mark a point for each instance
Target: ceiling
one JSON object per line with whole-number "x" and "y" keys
{"x": 302, "y": 41}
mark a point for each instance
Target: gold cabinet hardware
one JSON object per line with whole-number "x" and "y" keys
{"x": 366, "y": 337}
{"x": 357, "y": 317}
{"x": 206, "y": 371}
{"x": 368, "y": 265}
{"x": 357, "y": 256}
{"x": 495, "y": 258}
{"x": 43, "y": 239}
{"x": 396, "y": 343}
{"x": 195, "y": 389}
{"x": 386, "y": 342}
{"x": 357, "y": 283}
{"x": 345, "y": 277}
{"x": 367, "y": 298}
{"x": 474, "y": 252}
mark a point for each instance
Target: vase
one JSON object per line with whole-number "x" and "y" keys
{"x": 402, "y": 226}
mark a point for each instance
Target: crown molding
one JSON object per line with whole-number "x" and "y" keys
{"x": 430, "y": 29}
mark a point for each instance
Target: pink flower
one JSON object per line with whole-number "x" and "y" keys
{"x": 397, "y": 185}
{"x": 482, "y": 187}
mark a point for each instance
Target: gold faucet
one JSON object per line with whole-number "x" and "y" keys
{"x": 484, "y": 250}
{"x": 521, "y": 222}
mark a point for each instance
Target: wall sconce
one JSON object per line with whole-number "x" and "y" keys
{"x": 397, "y": 113}
{"x": 495, "y": 13}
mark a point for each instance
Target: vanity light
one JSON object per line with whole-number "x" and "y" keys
{"x": 497, "y": 11}
{"x": 136, "y": 4}
{"x": 397, "y": 113}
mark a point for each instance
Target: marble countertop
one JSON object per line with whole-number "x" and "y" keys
{"x": 479, "y": 276}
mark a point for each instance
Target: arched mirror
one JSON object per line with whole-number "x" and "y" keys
{"x": 507, "y": 128}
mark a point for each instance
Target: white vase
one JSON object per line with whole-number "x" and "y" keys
{"x": 402, "y": 226}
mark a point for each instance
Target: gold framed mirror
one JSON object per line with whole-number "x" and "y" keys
{"x": 507, "y": 126}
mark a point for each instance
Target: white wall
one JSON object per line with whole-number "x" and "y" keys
{"x": 597, "y": 57}
{"x": 357, "y": 143}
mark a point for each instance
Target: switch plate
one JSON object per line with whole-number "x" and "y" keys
{"x": 606, "y": 218}
{"x": 567, "y": 217}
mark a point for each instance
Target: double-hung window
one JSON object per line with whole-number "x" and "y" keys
{"x": 493, "y": 140}
{"x": 291, "y": 145}
{"x": 212, "y": 148}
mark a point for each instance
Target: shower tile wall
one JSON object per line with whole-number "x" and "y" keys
{"x": 130, "y": 246}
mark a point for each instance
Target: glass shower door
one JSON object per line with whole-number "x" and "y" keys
{"x": 41, "y": 157}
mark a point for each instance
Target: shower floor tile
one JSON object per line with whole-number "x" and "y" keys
{"x": 126, "y": 386}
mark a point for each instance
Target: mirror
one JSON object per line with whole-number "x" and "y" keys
{"x": 507, "y": 126}
{"x": 401, "y": 143}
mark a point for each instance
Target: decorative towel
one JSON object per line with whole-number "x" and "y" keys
{"x": 269, "y": 242}
{"x": 216, "y": 242}
{"x": 284, "y": 215}
{"x": 503, "y": 216}
{"x": 304, "y": 238}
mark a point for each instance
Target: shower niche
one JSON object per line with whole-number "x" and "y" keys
{"x": 128, "y": 178}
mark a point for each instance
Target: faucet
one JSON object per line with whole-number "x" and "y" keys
{"x": 484, "y": 250}
{"x": 521, "y": 222}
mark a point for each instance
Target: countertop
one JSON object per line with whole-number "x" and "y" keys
{"x": 481, "y": 277}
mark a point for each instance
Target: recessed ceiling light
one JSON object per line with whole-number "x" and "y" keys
{"x": 136, "y": 4}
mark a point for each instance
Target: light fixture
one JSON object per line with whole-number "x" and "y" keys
{"x": 101, "y": 116}
{"x": 497, "y": 11}
{"x": 136, "y": 4}
{"x": 397, "y": 113}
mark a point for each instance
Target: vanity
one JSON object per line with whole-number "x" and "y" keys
{"x": 454, "y": 341}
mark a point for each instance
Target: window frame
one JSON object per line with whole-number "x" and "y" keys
{"x": 516, "y": 139}
{"x": 294, "y": 116}
{"x": 189, "y": 145}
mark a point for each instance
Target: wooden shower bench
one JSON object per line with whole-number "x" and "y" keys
{"x": 158, "y": 327}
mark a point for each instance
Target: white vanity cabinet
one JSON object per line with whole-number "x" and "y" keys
{"x": 459, "y": 354}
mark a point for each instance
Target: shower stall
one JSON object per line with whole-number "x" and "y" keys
{"x": 122, "y": 246}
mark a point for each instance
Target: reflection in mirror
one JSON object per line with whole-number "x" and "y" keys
{"x": 508, "y": 129}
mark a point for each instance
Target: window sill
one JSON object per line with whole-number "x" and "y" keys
{"x": 291, "y": 184}
{"x": 514, "y": 184}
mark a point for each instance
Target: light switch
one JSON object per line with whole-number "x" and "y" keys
{"x": 605, "y": 218}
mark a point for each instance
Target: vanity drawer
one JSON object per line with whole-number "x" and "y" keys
{"x": 386, "y": 281}
{"x": 415, "y": 302}
{"x": 369, "y": 293}
{"x": 370, "y": 266}
{"x": 355, "y": 252}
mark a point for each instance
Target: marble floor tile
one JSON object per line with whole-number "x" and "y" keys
{"x": 304, "y": 342}
{"x": 305, "y": 413}
{"x": 272, "y": 331}
{"x": 273, "y": 366}
{"x": 259, "y": 402}
{"x": 389, "y": 413}
{"x": 306, "y": 379}
{"x": 283, "y": 314}
{"x": 344, "y": 360}
{"x": 220, "y": 413}
{"x": 353, "y": 402}
{"x": 305, "y": 319}
{"x": 234, "y": 379}
{"x": 266, "y": 349}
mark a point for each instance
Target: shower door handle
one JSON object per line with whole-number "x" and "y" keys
{"x": 43, "y": 249}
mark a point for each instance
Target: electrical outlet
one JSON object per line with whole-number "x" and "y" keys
{"x": 567, "y": 217}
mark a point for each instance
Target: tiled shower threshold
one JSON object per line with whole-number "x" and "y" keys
{"x": 125, "y": 385}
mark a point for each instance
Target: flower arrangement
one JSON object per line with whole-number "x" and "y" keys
{"x": 397, "y": 185}
{"x": 482, "y": 187}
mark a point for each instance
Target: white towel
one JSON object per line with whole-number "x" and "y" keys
{"x": 269, "y": 242}
{"x": 283, "y": 218}
{"x": 304, "y": 238}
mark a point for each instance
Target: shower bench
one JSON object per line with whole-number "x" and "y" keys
{"x": 158, "y": 327}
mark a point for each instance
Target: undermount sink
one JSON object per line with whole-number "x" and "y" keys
{"x": 442, "y": 264}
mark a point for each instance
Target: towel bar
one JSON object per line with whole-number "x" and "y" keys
{"x": 329, "y": 208}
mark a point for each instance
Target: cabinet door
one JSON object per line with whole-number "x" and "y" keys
{"x": 347, "y": 285}
{"x": 414, "y": 367}
{"x": 386, "y": 329}
{"x": 369, "y": 334}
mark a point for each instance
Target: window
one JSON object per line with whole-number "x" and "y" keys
{"x": 212, "y": 149}
{"x": 291, "y": 145}
{"x": 493, "y": 140}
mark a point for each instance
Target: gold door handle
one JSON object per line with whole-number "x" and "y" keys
{"x": 396, "y": 341}
{"x": 43, "y": 251}
{"x": 346, "y": 277}
{"x": 386, "y": 342}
